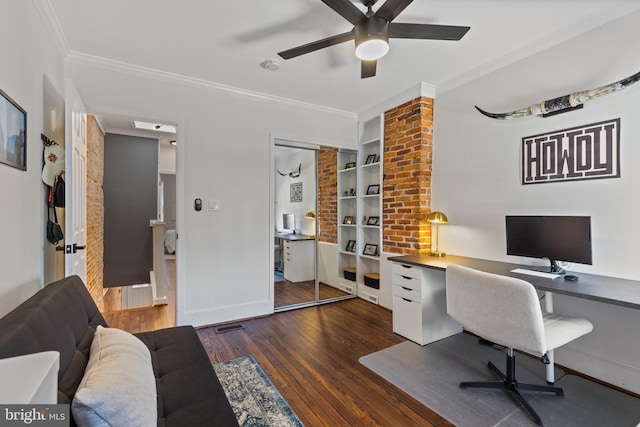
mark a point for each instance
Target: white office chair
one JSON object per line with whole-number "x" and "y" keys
{"x": 506, "y": 311}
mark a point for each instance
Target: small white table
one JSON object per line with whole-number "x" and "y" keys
{"x": 30, "y": 379}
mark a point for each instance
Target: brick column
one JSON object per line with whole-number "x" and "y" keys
{"x": 408, "y": 148}
{"x": 95, "y": 210}
{"x": 327, "y": 194}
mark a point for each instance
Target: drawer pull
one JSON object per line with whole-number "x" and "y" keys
{"x": 407, "y": 277}
{"x": 405, "y": 266}
{"x": 407, "y": 300}
{"x": 406, "y": 289}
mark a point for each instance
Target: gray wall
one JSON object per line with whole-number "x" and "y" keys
{"x": 130, "y": 201}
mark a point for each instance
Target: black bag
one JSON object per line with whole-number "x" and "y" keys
{"x": 54, "y": 231}
{"x": 58, "y": 192}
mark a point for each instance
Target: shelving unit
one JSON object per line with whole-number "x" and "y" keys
{"x": 369, "y": 228}
{"x": 360, "y": 213}
{"x": 347, "y": 207}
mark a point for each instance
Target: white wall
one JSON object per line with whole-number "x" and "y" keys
{"x": 28, "y": 55}
{"x": 224, "y": 154}
{"x": 476, "y": 179}
{"x": 289, "y": 160}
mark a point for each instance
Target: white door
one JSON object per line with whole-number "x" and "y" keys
{"x": 75, "y": 184}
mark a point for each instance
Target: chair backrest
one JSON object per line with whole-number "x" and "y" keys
{"x": 501, "y": 309}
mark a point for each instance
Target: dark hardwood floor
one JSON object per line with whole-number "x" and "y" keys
{"x": 311, "y": 355}
{"x": 289, "y": 293}
{"x": 146, "y": 318}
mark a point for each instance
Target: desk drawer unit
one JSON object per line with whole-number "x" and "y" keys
{"x": 419, "y": 304}
{"x": 299, "y": 260}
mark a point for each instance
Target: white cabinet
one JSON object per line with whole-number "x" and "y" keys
{"x": 420, "y": 304}
{"x": 298, "y": 260}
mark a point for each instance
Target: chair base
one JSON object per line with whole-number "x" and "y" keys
{"x": 509, "y": 382}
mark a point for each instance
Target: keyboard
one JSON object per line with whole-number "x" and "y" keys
{"x": 536, "y": 273}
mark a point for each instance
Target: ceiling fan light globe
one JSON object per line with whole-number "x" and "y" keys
{"x": 372, "y": 49}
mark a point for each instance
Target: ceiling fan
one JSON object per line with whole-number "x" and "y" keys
{"x": 371, "y": 32}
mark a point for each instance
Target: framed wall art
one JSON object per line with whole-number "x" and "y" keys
{"x": 13, "y": 133}
{"x": 295, "y": 192}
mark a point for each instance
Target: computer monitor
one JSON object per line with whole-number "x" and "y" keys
{"x": 289, "y": 222}
{"x": 557, "y": 238}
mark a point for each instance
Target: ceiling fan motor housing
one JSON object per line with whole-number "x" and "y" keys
{"x": 374, "y": 28}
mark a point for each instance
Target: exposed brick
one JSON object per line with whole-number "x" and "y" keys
{"x": 327, "y": 195}
{"x": 95, "y": 210}
{"x": 408, "y": 148}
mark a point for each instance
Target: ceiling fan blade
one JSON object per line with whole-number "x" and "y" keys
{"x": 392, "y": 8}
{"x": 346, "y": 9}
{"x": 368, "y": 69}
{"x": 426, "y": 31}
{"x": 313, "y": 46}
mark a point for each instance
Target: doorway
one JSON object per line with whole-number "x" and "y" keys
{"x": 154, "y": 295}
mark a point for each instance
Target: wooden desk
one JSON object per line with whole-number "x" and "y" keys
{"x": 610, "y": 290}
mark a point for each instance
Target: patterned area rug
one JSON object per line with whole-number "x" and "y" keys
{"x": 254, "y": 399}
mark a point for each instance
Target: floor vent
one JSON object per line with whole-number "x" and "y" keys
{"x": 369, "y": 297}
{"x": 228, "y": 328}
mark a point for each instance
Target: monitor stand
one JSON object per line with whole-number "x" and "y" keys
{"x": 553, "y": 268}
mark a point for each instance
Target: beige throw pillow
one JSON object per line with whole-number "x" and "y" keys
{"x": 118, "y": 387}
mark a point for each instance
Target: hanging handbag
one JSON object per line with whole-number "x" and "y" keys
{"x": 58, "y": 192}
{"x": 54, "y": 231}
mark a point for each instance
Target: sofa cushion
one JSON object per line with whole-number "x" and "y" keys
{"x": 60, "y": 317}
{"x": 118, "y": 387}
{"x": 189, "y": 392}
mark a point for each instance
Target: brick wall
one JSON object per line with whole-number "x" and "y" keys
{"x": 95, "y": 209}
{"x": 327, "y": 195}
{"x": 408, "y": 148}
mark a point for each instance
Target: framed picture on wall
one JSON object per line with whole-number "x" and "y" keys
{"x": 296, "y": 192}
{"x": 13, "y": 133}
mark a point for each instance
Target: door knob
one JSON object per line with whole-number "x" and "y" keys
{"x": 77, "y": 247}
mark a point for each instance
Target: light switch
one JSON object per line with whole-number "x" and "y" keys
{"x": 214, "y": 205}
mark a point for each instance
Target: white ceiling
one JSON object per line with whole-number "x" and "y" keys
{"x": 224, "y": 42}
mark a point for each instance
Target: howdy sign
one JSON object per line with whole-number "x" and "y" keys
{"x": 584, "y": 152}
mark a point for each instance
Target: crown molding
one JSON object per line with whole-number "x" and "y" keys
{"x": 151, "y": 73}
{"x": 52, "y": 23}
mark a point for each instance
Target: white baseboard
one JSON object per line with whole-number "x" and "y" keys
{"x": 603, "y": 368}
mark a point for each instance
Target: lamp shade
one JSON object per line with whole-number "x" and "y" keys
{"x": 372, "y": 49}
{"x": 310, "y": 214}
{"x": 372, "y": 38}
{"x": 437, "y": 217}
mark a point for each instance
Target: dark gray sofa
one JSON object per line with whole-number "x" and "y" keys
{"x": 63, "y": 317}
